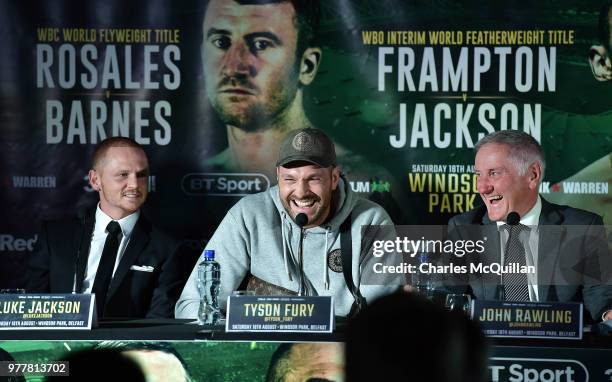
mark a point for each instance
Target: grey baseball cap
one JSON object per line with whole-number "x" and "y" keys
{"x": 308, "y": 145}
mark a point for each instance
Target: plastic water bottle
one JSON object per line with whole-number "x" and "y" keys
{"x": 209, "y": 278}
{"x": 421, "y": 280}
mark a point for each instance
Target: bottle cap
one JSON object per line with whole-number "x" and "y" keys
{"x": 209, "y": 254}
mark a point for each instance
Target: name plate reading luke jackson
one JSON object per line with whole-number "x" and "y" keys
{"x": 46, "y": 311}
{"x": 559, "y": 320}
{"x": 312, "y": 314}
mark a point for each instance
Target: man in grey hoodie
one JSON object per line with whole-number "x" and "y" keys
{"x": 259, "y": 235}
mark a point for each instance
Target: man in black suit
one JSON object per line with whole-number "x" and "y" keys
{"x": 566, "y": 246}
{"x": 113, "y": 251}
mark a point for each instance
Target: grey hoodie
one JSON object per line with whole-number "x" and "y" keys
{"x": 259, "y": 236}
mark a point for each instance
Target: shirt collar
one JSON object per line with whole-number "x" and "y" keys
{"x": 532, "y": 217}
{"x": 127, "y": 223}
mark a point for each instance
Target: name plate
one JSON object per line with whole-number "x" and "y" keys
{"x": 560, "y": 320}
{"x": 313, "y": 314}
{"x": 46, "y": 311}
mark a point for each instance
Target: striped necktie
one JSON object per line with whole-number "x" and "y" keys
{"x": 515, "y": 284}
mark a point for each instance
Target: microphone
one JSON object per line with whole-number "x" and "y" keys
{"x": 82, "y": 213}
{"x": 301, "y": 220}
{"x": 513, "y": 218}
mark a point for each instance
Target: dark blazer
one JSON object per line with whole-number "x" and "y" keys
{"x": 132, "y": 293}
{"x": 573, "y": 260}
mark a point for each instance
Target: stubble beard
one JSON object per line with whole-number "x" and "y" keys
{"x": 320, "y": 210}
{"x": 261, "y": 114}
{"x": 251, "y": 119}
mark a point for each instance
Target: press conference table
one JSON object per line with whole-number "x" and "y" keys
{"x": 586, "y": 359}
{"x": 187, "y": 330}
{"x": 162, "y": 330}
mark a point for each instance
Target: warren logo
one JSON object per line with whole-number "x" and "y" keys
{"x": 34, "y": 181}
{"x": 10, "y": 243}
{"x": 536, "y": 370}
{"x": 224, "y": 184}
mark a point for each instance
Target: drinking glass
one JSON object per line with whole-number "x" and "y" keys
{"x": 243, "y": 293}
{"x": 12, "y": 291}
{"x": 459, "y": 302}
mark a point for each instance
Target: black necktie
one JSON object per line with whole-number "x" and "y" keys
{"x": 515, "y": 284}
{"x": 106, "y": 266}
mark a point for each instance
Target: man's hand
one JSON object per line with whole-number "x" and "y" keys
{"x": 608, "y": 315}
{"x": 410, "y": 289}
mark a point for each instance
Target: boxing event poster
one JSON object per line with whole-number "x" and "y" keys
{"x": 404, "y": 88}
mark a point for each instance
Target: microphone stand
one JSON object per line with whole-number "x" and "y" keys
{"x": 513, "y": 219}
{"x": 301, "y": 220}
{"x": 302, "y": 288}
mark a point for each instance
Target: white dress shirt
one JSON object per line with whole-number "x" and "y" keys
{"x": 531, "y": 220}
{"x": 98, "y": 238}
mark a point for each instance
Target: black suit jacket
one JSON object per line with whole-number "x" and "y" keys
{"x": 132, "y": 293}
{"x": 573, "y": 259}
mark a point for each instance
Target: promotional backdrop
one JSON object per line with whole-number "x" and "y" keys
{"x": 405, "y": 89}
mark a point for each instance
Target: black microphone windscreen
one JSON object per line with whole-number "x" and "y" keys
{"x": 513, "y": 218}
{"x": 301, "y": 219}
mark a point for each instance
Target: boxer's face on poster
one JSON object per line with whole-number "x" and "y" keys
{"x": 312, "y": 362}
{"x": 159, "y": 366}
{"x": 599, "y": 56}
{"x": 249, "y": 56}
{"x": 500, "y": 185}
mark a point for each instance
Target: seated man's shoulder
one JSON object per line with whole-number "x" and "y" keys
{"x": 63, "y": 224}
{"x": 370, "y": 208}
{"x": 163, "y": 236}
{"x": 575, "y": 216}
{"x": 249, "y": 201}
{"x": 253, "y": 205}
{"x": 159, "y": 238}
{"x": 366, "y": 204}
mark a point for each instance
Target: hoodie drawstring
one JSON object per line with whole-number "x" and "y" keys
{"x": 286, "y": 263}
{"x": 285, "y": 248}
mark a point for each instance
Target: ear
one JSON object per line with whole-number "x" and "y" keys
{"x": 94, "y": 180}
{"x": 534, "y": 172}
{"x": 335, "y": 177}
{"x": 601, "y": 66}
{"x": 309, "y": 65}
